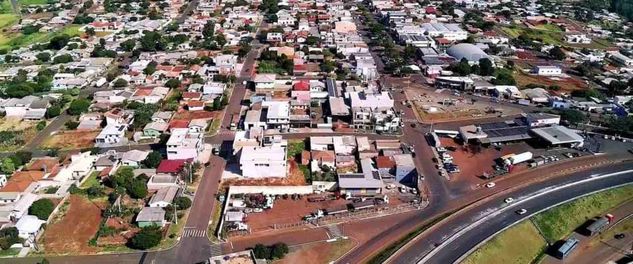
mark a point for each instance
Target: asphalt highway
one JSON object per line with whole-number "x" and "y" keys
{"x": 450, "y": 251}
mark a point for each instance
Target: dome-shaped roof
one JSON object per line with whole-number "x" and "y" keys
{"x": 465, "y": 50}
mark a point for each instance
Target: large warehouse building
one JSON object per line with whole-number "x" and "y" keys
{"x": 467, "y": 51}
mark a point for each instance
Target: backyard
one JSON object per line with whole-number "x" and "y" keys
{"x": 17, "y": 39}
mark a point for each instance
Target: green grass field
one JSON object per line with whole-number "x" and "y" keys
{"x": 91, "y": 181}
{"x": 515, "y": 245}
{"x": 5, "y": 7}
{"x": 560, "y": 221}
{"x": 548, "y": 36}
{"x": 8, "y": 41}
{"x": 32, "y": 2}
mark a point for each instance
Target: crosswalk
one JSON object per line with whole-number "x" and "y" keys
{"x": 194, "y": 233}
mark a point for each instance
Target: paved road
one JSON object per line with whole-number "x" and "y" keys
{"x": 423, "y": 244}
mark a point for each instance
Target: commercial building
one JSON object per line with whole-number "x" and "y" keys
{"x": 547, "y": 70}
{"x": 262, "y": 162}
{"x": 467, "y": 51}
{"x": 559, "y": 135}
{"x": 368, "y": 182}
{"x": 183, "y": 145}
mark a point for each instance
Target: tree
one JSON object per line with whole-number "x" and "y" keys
{"x": 148, "y": 237}
{"x": 182, "y": 203}
{"x": 90, "y": 31}
{"x": 504, "y": 78}
{"x": 261, "y": 252}
{"x": 78, "y": 106}
{"x": 172, "y": 83}
{"x": 153, "y": 159}
{"x": 279, "y": 250}
{"x": 143, "y": 114}
{"x": 572, "y": 116}
{"x": 64, "y": 58}
{"x": 137, "y": 189}
{"x": 40, "y": 125}
{"x": 208, "y": 30}
{"x": 71, "y": 125}
{"x": 42, "y": 208}
{"x": 128, "y": 45}
{"x": 220, "y": 40}
{"x": 151, "y": 68}
{"x": 120, "y": 83}
{"x": 43, "y": 56}
{"x": 53, "y": 111}
{"x": 557, "y": 53}
{"x": 153, "y": 41}
{"x": 7, "y": 166}
{"x": 462, "y": 68}
{"x": 59, "y": 42}
{"x": 485, "y": 67}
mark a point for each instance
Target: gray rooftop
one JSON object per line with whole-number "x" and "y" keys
{"x": 558, "y": 135}
{"x": 151, "y": 214}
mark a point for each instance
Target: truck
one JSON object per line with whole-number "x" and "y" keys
{"x": 599, "y": 224}
{"x": 518, "y": 158}
{"x": 235, "y": 121}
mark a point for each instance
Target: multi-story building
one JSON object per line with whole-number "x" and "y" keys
{"x": 184, "y": 145}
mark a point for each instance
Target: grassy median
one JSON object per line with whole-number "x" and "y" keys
{"x": 557, "y": 223}
{"x": 523, "y": 243}
{"x": 516, "y": 245}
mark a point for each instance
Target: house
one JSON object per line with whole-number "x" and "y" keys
{"x": 406, "y": 172}
{"x": 162, "y": 180}
{"x": 28, "y": 107}
{"x": 547, "y": 70}
{"x": 374, "y": 112}
{"x": 197, "y": 126}
{"x": 322, "y": 158}
{"x": 162, "y": 116}
{"x": 75, "y": 168}
{"x": 106, "y": 161}
{"x": 261, "y": 162}
{"x": 155, "y": 129}
{"x": 273, "y": 37}
{"x": 264, "y": 82}
{"x": 184, "y": 145}
{"x": 171, "y": 166}
{"x": 277, "y": 114}
{"x": 111, "y": 134}
{"x": 164, "y": 197}
{"x": 151, "y": 216}
{"x": 368, "y": 182}
{"x": 133, "y": 158}
{"x": 577, "y": 38}
{"x": 29, "y": 227}
{"x": 9, "y": 197}
{"x": 213, "y": 88}
{"x": 21, "y": 180}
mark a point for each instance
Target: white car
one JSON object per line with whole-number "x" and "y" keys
{"x": 509, "y": 200}
{"x": 490, "y": 184}
{"x": 522, "y": 211}
{"x": 403, "y": 189}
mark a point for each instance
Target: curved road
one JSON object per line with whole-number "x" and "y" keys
{"x": 418, "y": 250}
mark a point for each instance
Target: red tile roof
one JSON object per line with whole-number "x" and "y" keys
{"x": 171, "y": 166}
{"x": 302, "y": 86}
{"x": 179, "y": 123}
{"x": 384, "y": 162}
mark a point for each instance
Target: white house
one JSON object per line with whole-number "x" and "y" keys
{"x": 547, "y": 70}
{"x": 184, "y": 145}
{"x": 164, "y": 197}
{"x": 80, "y": 166}
{"x": 264, "y": 81}
{"x": 133, "y": 158}
{"x": 28, "y": 227}
{"x": 111, "y": 134}
{"x": 261, "y": 162}
{"x": 577, "y": 38}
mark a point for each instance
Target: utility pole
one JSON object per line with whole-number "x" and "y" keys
{"x": 175, "y": 214}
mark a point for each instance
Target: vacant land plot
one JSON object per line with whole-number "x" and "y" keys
{"x": 32, "y": 2}
{"x": 317, "y": 253}
{"x": 558, "y": 222}
{"x": 71, "y": 140}
{"x": 545, "y": 36}
{"x": 566, "y": 84}
{"x": 287, "y": 211}
{"x": 15, "y": 133}
{"x": 16, "y": 39}
{"x": 519, "y": 244}
{"x": 73, "y": 232}
{"x": 442, "y": 106}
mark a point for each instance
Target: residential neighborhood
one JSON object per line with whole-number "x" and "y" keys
{"x": 309, "y": 131}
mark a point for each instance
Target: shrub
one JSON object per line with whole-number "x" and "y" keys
{"x": 42, "y": 208}
{"x": 148, "y": 237}
{"x": 182, "y": 203}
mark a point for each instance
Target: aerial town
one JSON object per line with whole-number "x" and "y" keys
{"x": 310, "y": 131}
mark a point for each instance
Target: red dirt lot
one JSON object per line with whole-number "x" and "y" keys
{"x": 473, "y": 165}
{"x": 287, "y": 211}
{"x": 76, "y": 228}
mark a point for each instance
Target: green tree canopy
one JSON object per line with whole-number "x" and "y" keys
{"x": 42, "y": 208}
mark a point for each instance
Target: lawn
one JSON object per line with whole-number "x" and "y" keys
{"x": 91, "y": 181}
{"x": 295, "y": 147}
{"x": 557, "y": 223}
{"x": 7, "y": 20}
{"x": 33, "y": 2}
{"x": 9, "y": 252}
{"x": 549, "y": 27}
{"x": 546, "y": 36}
{"x": 5, "y": 7}
{"x": 519, "y": 244}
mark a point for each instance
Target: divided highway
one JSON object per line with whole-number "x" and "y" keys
{"x": 440, "y": 245}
